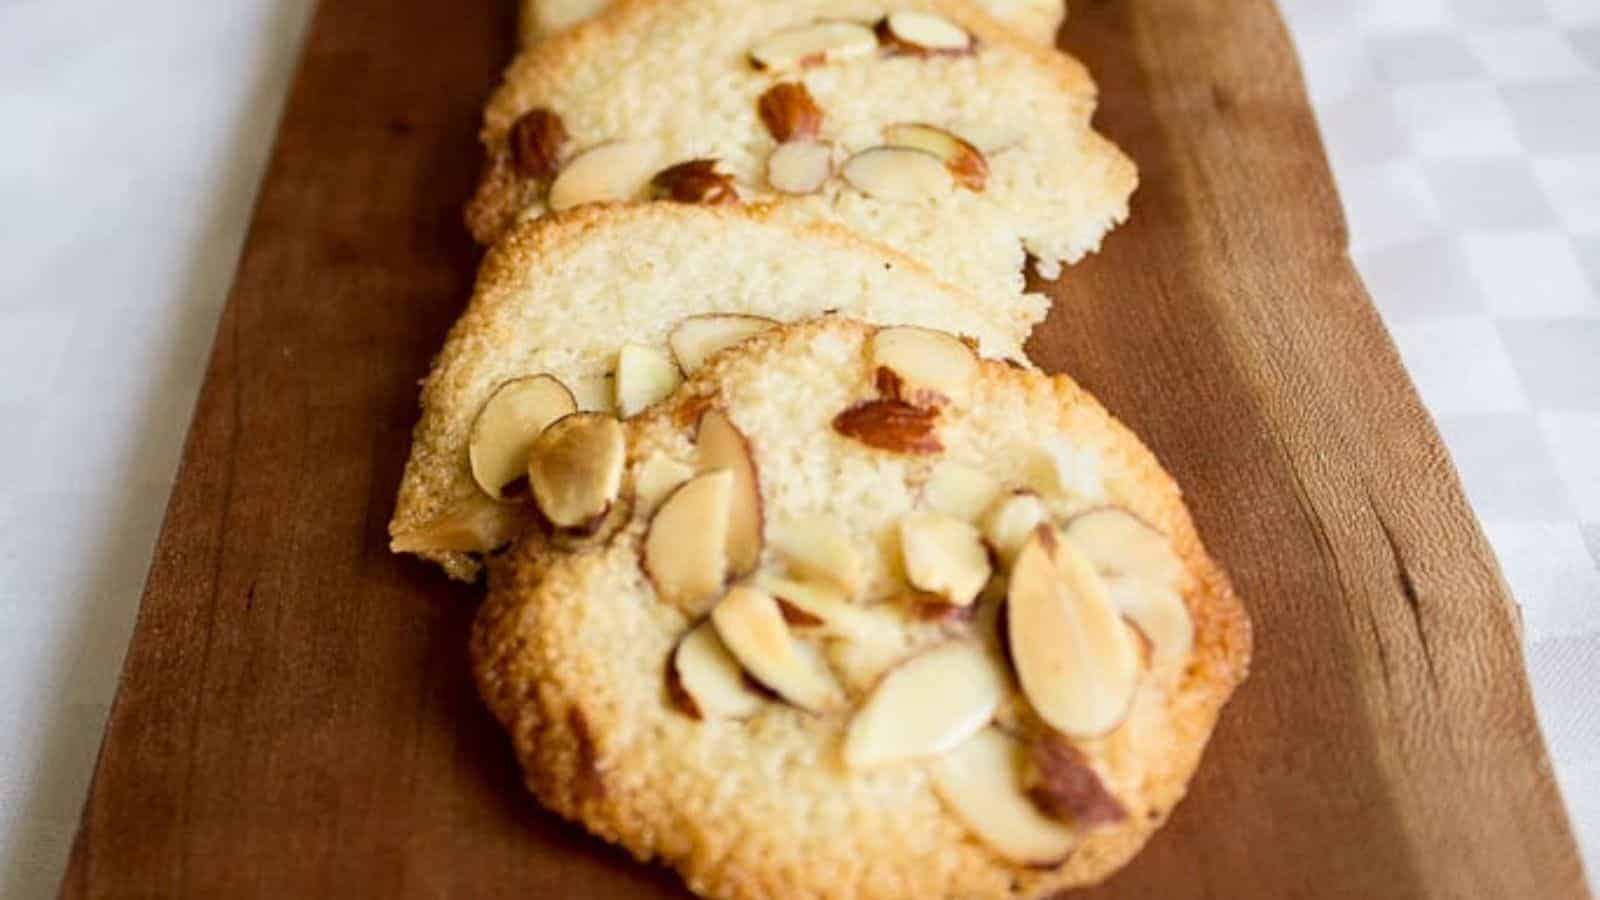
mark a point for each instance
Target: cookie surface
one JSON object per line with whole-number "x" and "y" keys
{"x": 566, "y": 294}
{"x": 620, "y": 683}
{"x": 605, "y": 110}
{"x": 1039, "y": 20}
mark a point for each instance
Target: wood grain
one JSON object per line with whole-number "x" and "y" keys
{"x": 296, "y": 719}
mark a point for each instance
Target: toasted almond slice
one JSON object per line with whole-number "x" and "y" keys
{"x": 696, "y": 338}
{"x": 723, "y": 446}
{"x": 644, "y": 375}
{"x": 960, "y": 491}
{"x": 813, "y": 44}
{"x": 924, "y": 32}
{"x": 695, "y": 181}
{"x": 931, "y": 368}
{"x": 476, "y": 525}
{"x": 800, "y": 167}
{"x": 926, "y": 705}
{"x": 1160, "y": 616}
{"x": 609, "y": 172}
{"x": 790, "y": 112}
{"x": 898, "y": 173}
{"x": 835, "y": 614}
{"x": 1065, "y": 787}
{"x": 815, "y": 547}
{"x": 1077, "y": 662}
{"x": 508, "y": 424}
{"x": 965, "y": 162}
{"x": 711, "y": 682}
{"x": 659, "y": 476}
{"x": 537, "y": 139}
{"x": 1121, "y": 545}
{"x": 981, "y": 782}
{"x": 685, "y": 549}
{"x": 1011, "y": 521}
{"x": 575, "y": 468}
{"x": 944, "y": 556}
{"x": 752, "y": 627}
{"x": 594, "y": 392}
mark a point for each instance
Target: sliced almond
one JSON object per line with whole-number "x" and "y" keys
{"x": 1160, "y": 616}
{"x": 723, "y": 446}
{"x": 575, "y": 468}
{"x": 695, "y": 181}
{"x": 752, "y": 628}
{"x": 944, "y": 556}
{"x": 790, "y": 112}
{"x": 931, "y": 368}
{"x": 644, "y": 375}
{"x": 538, "y": 140}
{"x": 609, "y": 172}
{"x": 1077, "y": 662}
{"x": 926, "y": 705}
{"x": 966, "y": 163}
{"x": 813, "y": 44}
{"x": 816, "y": 548}
{"x": 1011, "y": 521}
{"x": 892, "y": 425}
{"x": 1065, "y": 787}
{"x": 685, "y": 550}
{"x": 595, "y": 392}
{"x": 925, "y": 33}
{"x": 981, "y": 782}
{"x": 696, "y": 338}
{"x": 1121, "y": 545}
{"x": 508, "y": 424}
{"x": 476, "y": 525}
{"x": 800, "y": 167}
{"x": 898, "y": 173}
{"x": 712, "y": 684}
{"x": 960, "y": 491}
{"x": 829, "y": 606}
{"x": 659, "y": 476}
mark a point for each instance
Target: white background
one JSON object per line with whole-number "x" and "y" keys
{"x": 1465, "y": 136}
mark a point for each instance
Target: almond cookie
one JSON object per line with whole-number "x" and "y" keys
{"x": 605, "y": 308}
{"x": 873, "y": 617}
{"x": 1036, "y": 19}
{"x": 924, "y": 125}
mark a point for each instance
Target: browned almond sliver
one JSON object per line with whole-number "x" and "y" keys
{"x": 507, "y": 426}
{"x": 1010, "y": 521}
{"x": 644, "y": 375}
{"x": 1064, "y": 787}
{"x": 537, "y": 141}
{"x": 965, "y": 162}
{"x": 789, "y": 112}
{"x": 1142, "y": 575}
{"x": 981, "y": 782}
{"x": 706, "y": 680}
{"x": 686, "y": 547}
{"x": 1076, "y": 660}
{"x": 696, "y": 338}
{"x": 926, "y": 705}
{"x": 575, "y": 469}
{"x": 892, "y": 425}
{"x": 923, "y": 34}
{"x": 800, "y": 167}
{"x": 931, "y": 368}
{"x": 609, "y": 172}
{"x": 476, "y": 525}
{"x": 813, "y": 45}
{"x": 901, "y": 174}
{"x": 723, "y": 446}
{"x": 695, "y": 181}
{"x": 752, "y": 628}
{"x": 816, "y": 548}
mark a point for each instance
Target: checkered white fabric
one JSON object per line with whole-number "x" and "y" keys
{"x": 1465, "y": 138}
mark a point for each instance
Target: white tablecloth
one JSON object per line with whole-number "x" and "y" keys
{"x": 1465, "y": 135}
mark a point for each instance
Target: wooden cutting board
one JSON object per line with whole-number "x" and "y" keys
{"x": 296, "y": 719}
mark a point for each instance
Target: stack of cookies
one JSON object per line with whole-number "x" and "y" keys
{"x": 802, "y": 579}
